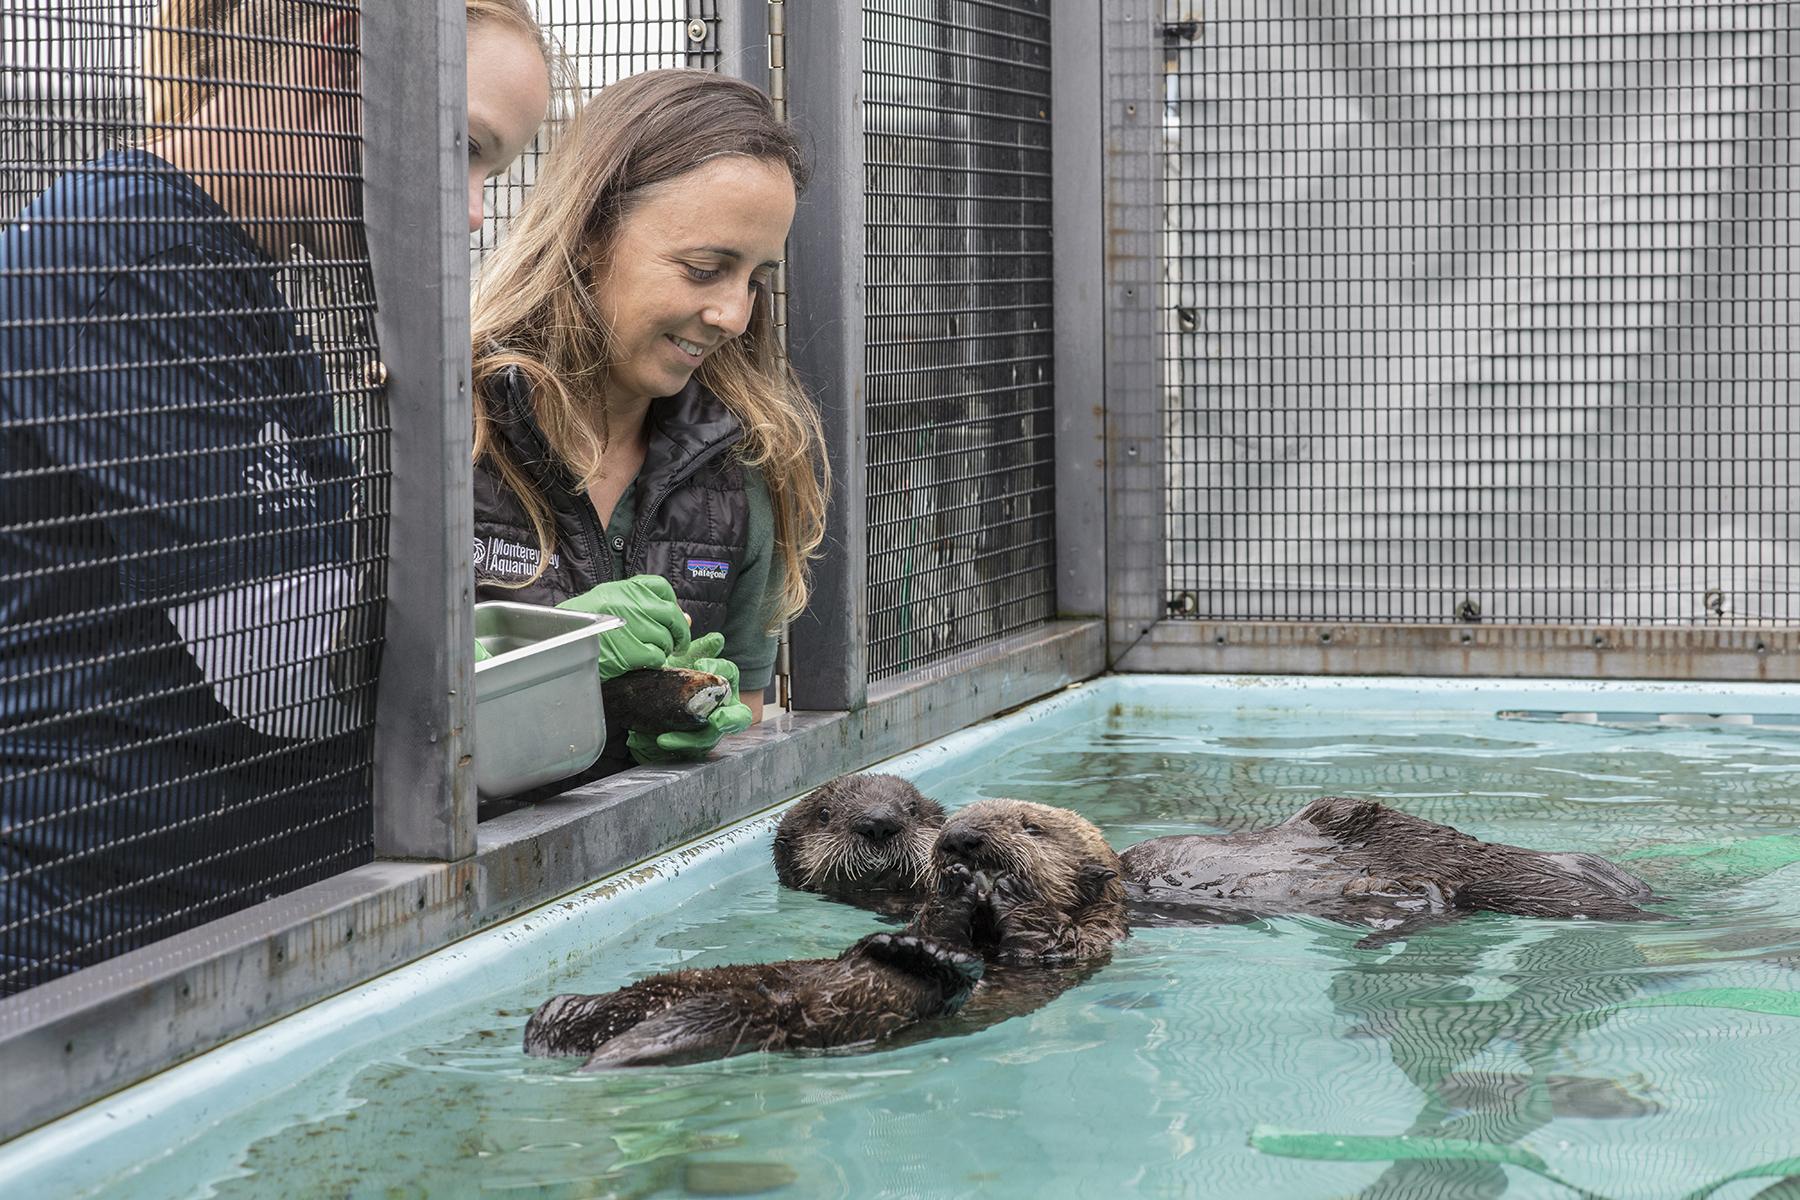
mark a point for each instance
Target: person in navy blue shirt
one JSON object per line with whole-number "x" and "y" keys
{"x": 184, "y": 683}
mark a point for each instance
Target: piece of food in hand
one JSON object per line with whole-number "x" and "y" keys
{"x": 664, "y": 700}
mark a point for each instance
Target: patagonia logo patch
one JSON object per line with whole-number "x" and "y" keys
{"x": 706, "y": 568}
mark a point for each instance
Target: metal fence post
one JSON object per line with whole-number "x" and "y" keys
{"x": 1078, "y": 216}
{"x": 825, "y": 340}
{"x": 743, "y": 39}
{"x": 419, "y": 244}
{"x": 1135, "y": 501}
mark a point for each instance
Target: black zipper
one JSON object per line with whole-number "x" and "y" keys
{"x": 598, "y": 552}
{"x": 634, "y": 562}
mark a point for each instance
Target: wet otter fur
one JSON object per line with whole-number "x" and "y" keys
{"x": 1057, "y": 894}
{"x": 864, "y": 839}
{"x": 879, "y": 986}
{"x": 663, "y": 699}
{"x": 1360, "y": 861}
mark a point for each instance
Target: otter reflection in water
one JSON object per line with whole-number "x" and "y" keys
{"x": 864, "y": 839}
{"x": 1360, "y": 861}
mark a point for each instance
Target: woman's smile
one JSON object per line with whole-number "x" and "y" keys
{"x": 686, "y": 269}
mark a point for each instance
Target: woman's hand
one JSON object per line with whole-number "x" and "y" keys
{"x": 731, "y": 717}
{"x": 655, "y": 626}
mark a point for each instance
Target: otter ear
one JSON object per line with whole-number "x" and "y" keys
{"x": 1095, "y": 876}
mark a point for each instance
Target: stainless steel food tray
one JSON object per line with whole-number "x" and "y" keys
{"x": 538, "y": 714}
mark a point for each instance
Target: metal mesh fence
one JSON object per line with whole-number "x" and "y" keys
{"x": 1481, "y": 313}
{"x": 601, "y": 43}
{"x": 958, "y": 340}
{"x": 192, "y": 476}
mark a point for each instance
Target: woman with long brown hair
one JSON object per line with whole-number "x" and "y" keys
{"x": 640, "y": 444}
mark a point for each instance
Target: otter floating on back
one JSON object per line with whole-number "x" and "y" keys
{"x": 1361, "y": 861}
{"x": 879, "y": 986}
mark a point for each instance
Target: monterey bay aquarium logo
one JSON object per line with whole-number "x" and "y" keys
{"x": 499, "y": 558}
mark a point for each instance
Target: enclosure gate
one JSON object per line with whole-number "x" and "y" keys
{"x": 1475, "y": 319}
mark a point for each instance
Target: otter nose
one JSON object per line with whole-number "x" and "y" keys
{"x": 877, "y": 825}
{"x": 963, "y": 842}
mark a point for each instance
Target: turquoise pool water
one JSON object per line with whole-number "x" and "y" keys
{"x": 1499, "y": 1056}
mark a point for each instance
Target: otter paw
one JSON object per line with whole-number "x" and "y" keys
{"x": 1009, "y": 892}
{"x": 923, "y": 956}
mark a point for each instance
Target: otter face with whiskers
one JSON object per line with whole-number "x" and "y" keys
{"x": 862, "y": 838}
{"x": 1057, "y": 894}
{"x": 1057, "y": 853}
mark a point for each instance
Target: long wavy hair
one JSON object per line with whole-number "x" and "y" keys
{"x": 534, "y": 311}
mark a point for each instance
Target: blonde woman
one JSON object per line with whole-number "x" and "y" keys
{"x": 640, "y": 446}
{"x": 175, "y": 495}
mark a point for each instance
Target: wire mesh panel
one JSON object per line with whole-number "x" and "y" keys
{"x": 1481, "y": 312}
{"x": 192, "y": 478}
{"x": 602, "y": 42}
{"x": 958, "y": 381}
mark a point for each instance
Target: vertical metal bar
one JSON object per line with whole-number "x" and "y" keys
{"x": 825, "y": 340}
{"x": 743, "y": 39}
{"x": 1132, "y": 158}
{"x": 419, "y": 244}
{"x": 1078, "y": 220}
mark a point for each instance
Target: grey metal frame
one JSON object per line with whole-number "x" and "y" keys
{"x": 425, "y": 789}
{"x": 1142, "y": 636}
{"x": 1533, "y": 651}
{"x": 1132, "y": 177}
{"x": 744, "y": 40}
{"x": 1078, "y": 154}
{"x": 829, "y": 642}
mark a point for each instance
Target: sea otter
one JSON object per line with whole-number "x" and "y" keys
{"x": 865, "y": 839}
{"x": 1057, "y": 894}
{"x": 663, "y": 699}
{"x": 879, "y": 986}
{"x": 1361, "y": 861}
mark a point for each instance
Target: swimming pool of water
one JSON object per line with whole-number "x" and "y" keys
{"x": 1500, "y": 1055}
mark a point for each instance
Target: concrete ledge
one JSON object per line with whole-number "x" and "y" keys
{"x": 75, "y": 1040}
{"x": 1731, "y": 654}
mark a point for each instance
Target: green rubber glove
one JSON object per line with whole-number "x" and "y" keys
{"x": 482, "y": 653}
{"x": 655, "y": 627}
{"x": 733, "y": 716}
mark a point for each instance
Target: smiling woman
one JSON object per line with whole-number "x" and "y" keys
{"x": 633, "y": 414}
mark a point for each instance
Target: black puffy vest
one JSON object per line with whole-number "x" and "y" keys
{"x": 692, "y": 521}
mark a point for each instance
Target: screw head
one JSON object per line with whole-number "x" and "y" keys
{"x": 1468, "y": 610}
{"x": 696, "y": 30}
{"x": 375, "y": 375}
